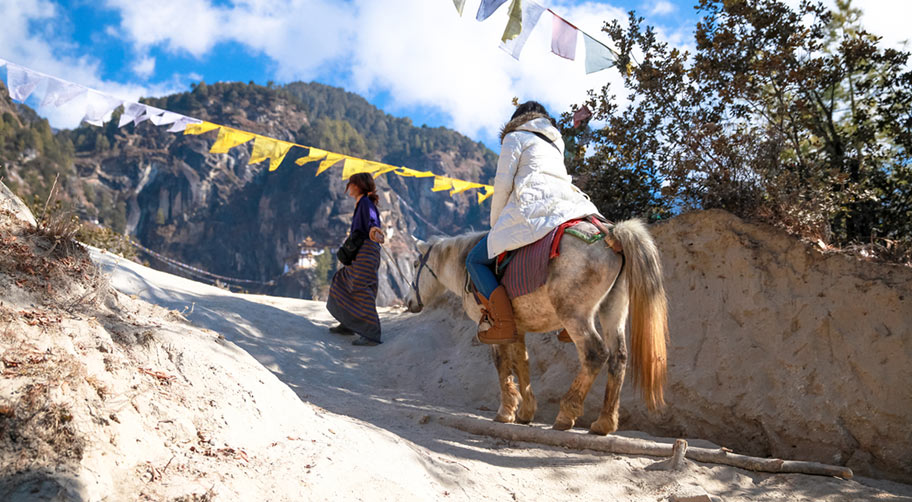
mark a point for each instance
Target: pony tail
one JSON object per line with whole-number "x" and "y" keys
{"x": 374, "y": 198}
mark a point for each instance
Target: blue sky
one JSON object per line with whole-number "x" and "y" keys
{"x": 414, "y": 58}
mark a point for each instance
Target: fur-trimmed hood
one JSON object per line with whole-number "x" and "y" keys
{"x": 531, "y": 122}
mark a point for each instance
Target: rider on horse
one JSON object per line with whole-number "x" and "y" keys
{"x": 533, "y": 195}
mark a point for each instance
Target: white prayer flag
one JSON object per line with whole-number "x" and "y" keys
{"x": 60, "y": 92}
{"x": 530, "y": 16}
{"x": 22, "y": 81}
{"x": 99, "y": 107}
{"x": 165, "y": 118}
{"x": 182, "y": 123}
{"x": 598, "y": 56}
{"x": 132, "y": 111}
{"x": 563, "y": 38}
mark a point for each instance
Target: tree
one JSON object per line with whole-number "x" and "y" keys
{"x": 797, "y": 117}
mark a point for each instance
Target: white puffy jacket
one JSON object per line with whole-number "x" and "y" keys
{"x": 533, "y": 194}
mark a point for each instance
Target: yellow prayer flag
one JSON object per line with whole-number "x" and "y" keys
{"x": 269, "y": 148}
{"x": 489, "y": 191}
{"x": 514, "y": 24}
{"x": 353, "y": 166}
{"x": 460, "y": 186}
{"x": 313, "y": 154}
{"x": 442, "y": 183}
{"x": 411, "y": 173}
{"x": 200, "y": 128}
{"x": 229, "y": 138}
{"x": 383, "y": 169}
{"x": 330, "y": 160}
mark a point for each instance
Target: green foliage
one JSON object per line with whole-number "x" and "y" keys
{"x": 797, "y": 117}
{"x": 323, "y": 272}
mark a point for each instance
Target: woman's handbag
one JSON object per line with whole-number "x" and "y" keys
{"x": 349, "y": 249}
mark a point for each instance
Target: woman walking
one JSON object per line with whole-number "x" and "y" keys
{"x": 353, "y": 293}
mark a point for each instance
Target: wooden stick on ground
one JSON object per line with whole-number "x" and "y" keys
{"x": 630, "y": 446}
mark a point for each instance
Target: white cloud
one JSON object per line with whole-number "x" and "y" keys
{"x": 661, "y": 8}
{"x": 418, "y": 52}
{"x": 144, "y": 66}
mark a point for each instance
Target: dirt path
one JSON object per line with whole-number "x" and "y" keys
{"x": 428, "y": 364}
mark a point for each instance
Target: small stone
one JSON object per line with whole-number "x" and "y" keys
{"x": 691, "y": 494}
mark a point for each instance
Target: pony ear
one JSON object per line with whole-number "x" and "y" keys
{"x": 421, "y": 245}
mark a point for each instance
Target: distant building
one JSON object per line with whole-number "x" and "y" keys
{"x": 307, "y": 254}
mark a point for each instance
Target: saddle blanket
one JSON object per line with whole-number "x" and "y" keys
{"x": 526, "y": 269}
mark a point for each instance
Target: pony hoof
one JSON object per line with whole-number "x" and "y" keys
{"x": 601, "y": 429}
{"x": 562, "y": 425}
{"x": 504, "y": 419}
{"x": 523, "y": 421}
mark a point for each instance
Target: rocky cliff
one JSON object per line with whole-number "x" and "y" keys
{"x": 220, "y": 214}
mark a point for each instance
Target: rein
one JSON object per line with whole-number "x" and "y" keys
{"x": 422, "y": 264}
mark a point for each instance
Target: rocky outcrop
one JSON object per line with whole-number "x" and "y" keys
{"x": 9, "y": 202}
{"x": 778, "y": 348}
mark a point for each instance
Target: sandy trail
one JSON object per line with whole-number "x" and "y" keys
{"x": 428, "y": 364}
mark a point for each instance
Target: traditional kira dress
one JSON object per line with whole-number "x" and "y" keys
{"x": 353, "y": 293}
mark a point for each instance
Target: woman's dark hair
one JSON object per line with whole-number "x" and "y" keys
{"x": 365, "y": 183}
{"x": 532, "y": 107}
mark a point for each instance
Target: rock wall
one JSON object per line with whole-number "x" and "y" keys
{"x": 780, "y": 349}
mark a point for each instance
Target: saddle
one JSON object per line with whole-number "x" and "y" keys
{"x": 523, "y": 270}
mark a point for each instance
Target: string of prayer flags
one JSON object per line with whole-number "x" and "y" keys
{"x": 598, "y": 56}
{"x": 563, "y": 38}
{"x": 24, "y": 83}
{"x": 487, "y": 8}
{"x": 531, "y": 13}
{"x": 268, "y": 148}
{"x": 514, "y": 24}
{"x": 460, "y": 4}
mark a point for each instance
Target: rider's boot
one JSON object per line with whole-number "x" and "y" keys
{"x": 498, "y": 315}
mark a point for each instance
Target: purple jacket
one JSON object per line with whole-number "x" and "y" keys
{"x": 366, "y": 216}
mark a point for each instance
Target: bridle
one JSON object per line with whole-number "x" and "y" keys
{"x": 422, "y": 264}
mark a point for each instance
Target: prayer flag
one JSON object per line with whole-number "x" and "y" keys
{"x": 21, "y": 81}
{"x": 229, "y": 138}
{"x": 99, "y": 107}
{"x": 442, "y": 183}
{"x": 460, "y": 4}
{"x": 411, "y": 173}
{"x": 487, "y": 8}
{"x": 384, "y": 168}
{"x": 514, "y": 24}
{"x": 460, "y": 186}
{"x": 269, "y": 148}
{"x": 563, "y": 38}
{"x": 165, "y": 118}
{"x": 581, "y": 115}
{"x": 330, "y": 160}
{"x": 181, "y": 124}
{"x": 489, "y": 191}
{"x": 313, "y": 154}
{"x": 200, "y": 128}
{"x": 133, "y": 112}
{"x": 60, "y": 92}
{"x": 598, "y": 56}
{"x": 531, "y": 14}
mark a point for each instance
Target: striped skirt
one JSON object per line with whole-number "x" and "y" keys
{"x": 353, "y": 293}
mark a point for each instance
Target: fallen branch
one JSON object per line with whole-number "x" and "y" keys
{"x": 631, "y": 446}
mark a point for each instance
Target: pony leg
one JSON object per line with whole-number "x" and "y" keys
{"x": 520, "y": 359}
{"x": 592, "y": 354}
{"x": 509, "y": 396}
{"x": 613, "y": 319}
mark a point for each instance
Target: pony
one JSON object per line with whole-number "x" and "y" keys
{"x": 584, "y": 282}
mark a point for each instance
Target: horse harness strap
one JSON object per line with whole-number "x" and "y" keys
{"x": 613, "y": 243}
{"x": 422, "y": 263}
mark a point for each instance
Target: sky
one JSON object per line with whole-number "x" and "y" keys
{"x": 413, "y": 58}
